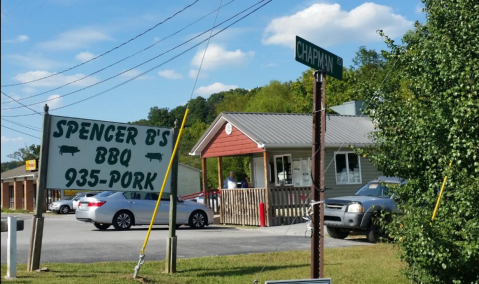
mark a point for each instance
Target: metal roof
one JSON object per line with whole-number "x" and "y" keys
{"x": 275, "y": 130}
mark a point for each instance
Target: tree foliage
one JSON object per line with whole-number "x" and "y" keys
{"x": 429, "y": 120}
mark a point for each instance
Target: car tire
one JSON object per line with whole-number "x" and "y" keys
{"x": 122, "y": 220}
{"x": 337, "y": 233}
{"x": 64, "y": 209}
{"x": 197, "y": 220}
{"x": 101, "y": 226}
{"x": 373, "y": 233}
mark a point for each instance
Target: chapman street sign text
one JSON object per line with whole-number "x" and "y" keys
{"x": 98, "y": 155}
{"x": 318, "y": 58}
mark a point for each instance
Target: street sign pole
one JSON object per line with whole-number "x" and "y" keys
{"x": 171, "y": 242}
{"x": 324, "y": 62}
{"x": 315, "y": 169}
{"x": 37, "y": 224}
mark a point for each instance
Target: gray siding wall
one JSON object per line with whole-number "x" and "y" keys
{"x": 368, "y": 171}
{"x": 188, "y": 180}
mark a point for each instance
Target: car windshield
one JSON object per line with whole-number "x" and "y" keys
{"x": 105, "y": 193}
{"x": 375, "y": 189}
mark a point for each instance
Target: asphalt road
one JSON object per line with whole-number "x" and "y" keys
{"x": 68, "y": 240}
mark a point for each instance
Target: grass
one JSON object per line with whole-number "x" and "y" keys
{"x": 8, "y": 210}
{"x": 361, "y": 264}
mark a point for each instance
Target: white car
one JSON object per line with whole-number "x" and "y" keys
{"x": 126, "y": 209}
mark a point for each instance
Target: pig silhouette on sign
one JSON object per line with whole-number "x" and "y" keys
{"x": 68, "y": 149}
{"x": 154, "y": 156}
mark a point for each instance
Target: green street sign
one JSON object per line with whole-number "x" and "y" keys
{"x": 318, "y": 58}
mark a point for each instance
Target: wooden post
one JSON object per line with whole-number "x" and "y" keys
{"x": 220, "y": 173}
{"x": 37, "y": 229}
{"x": 172, "y": 241}
{"x": 204, "y": 176}
{"x": 266, "y": 188}
{"x": 322, "y": 174}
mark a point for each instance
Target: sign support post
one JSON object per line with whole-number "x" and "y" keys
{"x": 324, "y": 62}
{"x": 38, "y": 220}
{"x": 171, "y": 242}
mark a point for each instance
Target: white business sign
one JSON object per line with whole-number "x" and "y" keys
{"x": 99, "y": 155}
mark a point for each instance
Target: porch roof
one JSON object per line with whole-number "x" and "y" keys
{"x": 280, "y": 130}
{"x": 18, "y": 173}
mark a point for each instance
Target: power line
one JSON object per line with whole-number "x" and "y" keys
{"x": 106, "y": 52}
{"x": 153, "y": 58}
{"x": 22, "y": 104}
{"x": 23, "y": 125}
{"x": 21, "y": 132}
{"x": 203, "y": 58}
{"x": 125, "y": 58}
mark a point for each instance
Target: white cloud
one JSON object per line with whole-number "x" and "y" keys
{"x": 33, "y": 61}
{"x": 217, "y": 56}
{"x": 214, "y": 88}
{"x": 156, "y": 39}
{"x": 170, "y": 74}
{"x": 6, "y": 139}
{"x": 54, "y": 101}
{"x": 84, "y": 56}
{"x": 18, "y": 39}
{"x": 327, "y": 25}
{"x": 54, "y": 81}
{"x": 133, "y": 73}
{"x": 75, "y": 39}
{"x": 29, "y": 90}
{"x": 419, "y": 8}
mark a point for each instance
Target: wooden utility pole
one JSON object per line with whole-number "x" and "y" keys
{"x": 37, "y": 224}
{"x": 317, "y": 168}
{"x": 171, "y": 242}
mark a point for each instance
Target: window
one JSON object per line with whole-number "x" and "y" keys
{"x": 348, "y": 168}
{"x": 282, "y": 170}
{"x": 302, "y": 171}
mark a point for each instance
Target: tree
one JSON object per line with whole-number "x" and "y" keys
{"x": 422, "y": 126}
{"x": 274, "y": 97}
{"x": 27, "y": 153}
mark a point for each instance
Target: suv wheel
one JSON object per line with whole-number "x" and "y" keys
{"x": 122, "y": 220}
{"x": 337, "y": 233}
{"x": 197, "y": 220}
{"x": 373, "y": 233}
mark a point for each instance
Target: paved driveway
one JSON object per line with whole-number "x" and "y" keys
{"x": 68, "y": 240}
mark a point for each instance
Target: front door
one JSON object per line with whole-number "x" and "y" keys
{"x": 258, "y": 173}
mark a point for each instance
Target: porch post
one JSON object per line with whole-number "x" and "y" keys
{"x": 28, "y": 188}
{"x": 220, "y": 173}
{"x": 17, "y": 194}
{"x": 266, "y": 186}
{"x": 5, "y": 195}
{"x": 204, "y": 176}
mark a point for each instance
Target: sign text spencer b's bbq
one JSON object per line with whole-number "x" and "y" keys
{"x": 99, "y": 155}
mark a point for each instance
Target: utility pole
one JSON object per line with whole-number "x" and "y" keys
{"x": 171, "y": 242}
{"x": 317, "y": 168}
{"x": 38, "y": 220}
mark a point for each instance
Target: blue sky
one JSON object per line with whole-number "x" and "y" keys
{"x": 42, "y": 37}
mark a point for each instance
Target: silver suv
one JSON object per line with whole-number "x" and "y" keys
{"x": 346, "y": 214}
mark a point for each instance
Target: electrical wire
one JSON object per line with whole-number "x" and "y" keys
{"x": 21, "y": 103}
{"x": 106, "y": 52}
{"x": 121, "y": 60}
{"x": 155, "y": 67}
{"x": 21, "y": 132}
{"x": 149, "y": 60}
{"x": 23, "y": 125}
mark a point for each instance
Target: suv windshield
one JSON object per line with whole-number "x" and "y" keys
{"x": 375, "y": 189}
